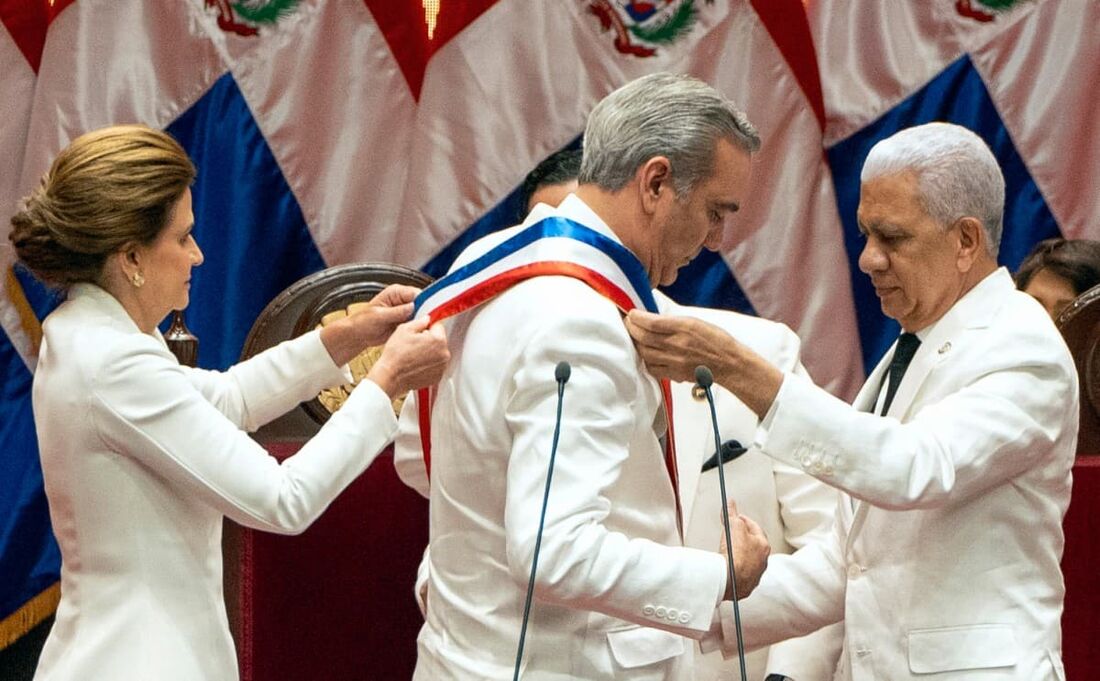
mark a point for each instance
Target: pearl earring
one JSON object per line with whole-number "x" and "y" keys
{"x": 137, "y": 280}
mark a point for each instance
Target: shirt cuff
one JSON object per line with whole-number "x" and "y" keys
{"x": 763, "y": 430}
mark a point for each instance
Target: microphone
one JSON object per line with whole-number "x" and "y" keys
{"x": 705, "y": 379}
{"x": 561, "y": 375}
{"x": 730, "y": 450}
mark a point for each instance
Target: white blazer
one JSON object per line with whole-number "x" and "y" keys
{"x": 615, "y": 588}
{"x": 946, "y": 563}
{"x": 143, "y": 457}
{"x": 792, "y": 507}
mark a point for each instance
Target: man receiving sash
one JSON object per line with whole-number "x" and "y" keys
{"x": 666, "y": 163}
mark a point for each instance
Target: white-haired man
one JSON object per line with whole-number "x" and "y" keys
{"x": 956, "y": 455}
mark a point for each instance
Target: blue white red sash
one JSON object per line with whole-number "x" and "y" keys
{"x": 554, "y": 246}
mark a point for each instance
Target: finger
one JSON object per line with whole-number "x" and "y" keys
{"x": 395, "y": 314}
{"x": 417, "y": 325}
{"x": 403, "y": 293}
{"x": 754, "y": 529}
{"x": 438, "y": 331}
{"x": 731, "y": 508}
{"x": 658, "y": 324}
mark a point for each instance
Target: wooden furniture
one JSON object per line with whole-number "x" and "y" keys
{"x": 335, "y": 602}
{"x": 1080, "y": 326}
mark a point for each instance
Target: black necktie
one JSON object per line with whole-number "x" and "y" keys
{"x": 903, "y": 355}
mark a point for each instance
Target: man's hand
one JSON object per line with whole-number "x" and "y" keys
{"x": 673, "y": 347}
{"x": 750, "y": 552}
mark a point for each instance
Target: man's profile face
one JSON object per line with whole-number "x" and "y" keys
{"x": 912, "y": 260}
{"x": 687, "y": 225}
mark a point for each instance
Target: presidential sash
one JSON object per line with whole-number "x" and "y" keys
{"x": 554, "y": 246}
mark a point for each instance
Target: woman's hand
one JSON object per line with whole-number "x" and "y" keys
{"x": 415, "y": 356}
{"x": 368, "y": 325}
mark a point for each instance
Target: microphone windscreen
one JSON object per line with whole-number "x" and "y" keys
{"x": 562, "y": 371}
{"x": 703, "y": 377}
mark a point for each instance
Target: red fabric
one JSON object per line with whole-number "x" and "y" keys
{"x": 790, "y": 29}
{"x": 405, "y": 28}
{"x": 1081, "y": 567}
{"x": 336, "y": 602}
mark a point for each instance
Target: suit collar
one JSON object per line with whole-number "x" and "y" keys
{"x": 939, "y": 341}
{"x": 97, "y": 301}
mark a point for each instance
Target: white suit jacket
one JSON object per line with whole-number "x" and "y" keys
{"x": 792, "y": 507}
{"x": 143, "y": 457}
{"x": 946, "y": 563}
{"x": 615, "y": 588}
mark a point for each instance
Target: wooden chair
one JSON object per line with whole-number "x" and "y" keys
{"x": 1080, "y": 326}
{"x": 338, "y": 599}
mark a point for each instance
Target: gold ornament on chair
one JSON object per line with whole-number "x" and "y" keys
{"x": 334, "y": 398}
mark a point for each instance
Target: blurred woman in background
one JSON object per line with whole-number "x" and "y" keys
{"x": 1058, "y": 270}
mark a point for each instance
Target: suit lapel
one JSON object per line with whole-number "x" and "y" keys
{"x": 970, "y": 312}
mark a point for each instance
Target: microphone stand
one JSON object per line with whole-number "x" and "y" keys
{"x": 561, "y": 375}
{"x": 705, "y": 379}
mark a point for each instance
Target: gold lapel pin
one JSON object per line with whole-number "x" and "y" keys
{"x": 945, "y": 347}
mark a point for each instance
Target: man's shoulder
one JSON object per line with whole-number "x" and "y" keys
{"x": 775, "y": 341}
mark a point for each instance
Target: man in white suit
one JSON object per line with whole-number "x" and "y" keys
{"x": 666, "y": 163}
{"x": 944, "y": 559}
{"x": 792, "y": 507}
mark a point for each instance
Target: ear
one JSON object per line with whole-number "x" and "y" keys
{"x": 971, "y": 243}
{"x": 654, "y": 178}
{"x": 129, "y": 259}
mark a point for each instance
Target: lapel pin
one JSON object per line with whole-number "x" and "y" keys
{"x": 945, "y": 347}
{"x": 699, "y": 393}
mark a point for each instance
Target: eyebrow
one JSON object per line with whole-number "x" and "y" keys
{"x": 878, "y": 226}
{"x": 731, "y": 206}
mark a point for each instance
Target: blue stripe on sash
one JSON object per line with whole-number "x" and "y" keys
{"x": 546, "y": 228}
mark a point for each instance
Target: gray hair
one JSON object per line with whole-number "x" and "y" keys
{"x": 678, "y": 117}
{"x": 957, "y": 174}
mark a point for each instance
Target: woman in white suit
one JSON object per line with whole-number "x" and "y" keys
{"x": 143, "y": 457}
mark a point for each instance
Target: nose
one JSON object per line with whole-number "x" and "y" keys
{"x": 713, "y": 242}
{"x": 196, "y": 255}
{"x": 871, "y": 258}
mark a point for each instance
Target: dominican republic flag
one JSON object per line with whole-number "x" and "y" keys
{"x": 335, "y": 131}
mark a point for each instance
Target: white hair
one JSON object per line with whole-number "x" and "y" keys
{"x": 957, "y": 174}
{"x": 661, "y": 114}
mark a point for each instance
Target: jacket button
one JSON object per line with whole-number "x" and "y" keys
{"x": 647, "y": 610}
{"x": 661, "y": 611}
{"x": 854, "y": 571}
{"x": 685, "y": 617}
{"x": 673, "y": 613}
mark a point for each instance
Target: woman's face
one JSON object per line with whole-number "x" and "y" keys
{"x": 1053, "y": 291}
{"x": 167, "y": 262}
